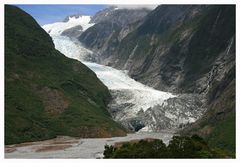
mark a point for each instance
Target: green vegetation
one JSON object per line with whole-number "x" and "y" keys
{"x": 47, "y": 94}
{"x": 222, "y": 115}
{"x": 178, "y": 147}
{"x": 218, "y": 125}
{"x": 223, "y": 135}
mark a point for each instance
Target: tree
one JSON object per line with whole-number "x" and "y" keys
{"x": 179, "y": 147}
{"x": 108, "y": 152}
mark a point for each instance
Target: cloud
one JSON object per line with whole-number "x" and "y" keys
{"x": 151, "y": 6}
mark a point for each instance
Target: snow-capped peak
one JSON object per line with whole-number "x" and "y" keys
{"x": 71, "y": 16}
{"x": 58, "y": 27}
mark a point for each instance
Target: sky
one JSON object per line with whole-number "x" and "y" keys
{"x": 45, "y": 14}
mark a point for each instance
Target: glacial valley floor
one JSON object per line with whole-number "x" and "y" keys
{"x": 69, "y": 147}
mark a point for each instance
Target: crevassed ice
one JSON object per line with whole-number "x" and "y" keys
{"x": 70, "y": 49}
{"x": 140, "y": 96}
{"x": 143, "y": 96}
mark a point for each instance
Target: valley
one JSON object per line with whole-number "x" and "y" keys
{"x": 139, "y": 108}
{"x": 120, "y": 75}
{"x": 134, "y": 105}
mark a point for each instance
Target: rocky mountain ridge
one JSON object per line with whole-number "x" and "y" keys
{"x": 181, "y": 49}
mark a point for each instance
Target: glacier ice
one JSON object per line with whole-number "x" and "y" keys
{"x": 58, "y": 27}
{"x": 134, "y": 105}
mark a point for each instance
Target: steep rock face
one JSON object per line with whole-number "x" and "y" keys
{"x": 219, "y": 122}
{"x": 121, "y": 17}
{"x": 46, "y": 93}
{"x": 176, "y": 46}
{"x": 181, "y": 49}
{"x": 114, "y": 25}
{"x": 73, "y": 32}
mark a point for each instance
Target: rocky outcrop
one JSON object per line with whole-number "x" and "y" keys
{"x": 73, "y": 32}
{"x": 66, "y": 19}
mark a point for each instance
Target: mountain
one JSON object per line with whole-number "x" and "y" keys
{"x": 134, "y": 105}
{"x": 72, "y": 25}
{"x": 46, "y": 93}
{"x": 76, "y": 16}
{"x": 180, "y": 49}
{"x": 119, "y": 16}
{"x": 170, "y": 31}
{"x": 114, "y": 24}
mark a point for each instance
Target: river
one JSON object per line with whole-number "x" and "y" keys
{"x": 69, "y": 147}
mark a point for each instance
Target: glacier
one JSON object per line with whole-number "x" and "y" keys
{"x": 134, "y": 105}
{"x": 58, "y": 27}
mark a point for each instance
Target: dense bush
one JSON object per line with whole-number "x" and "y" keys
{"x": 178, "y": 147}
